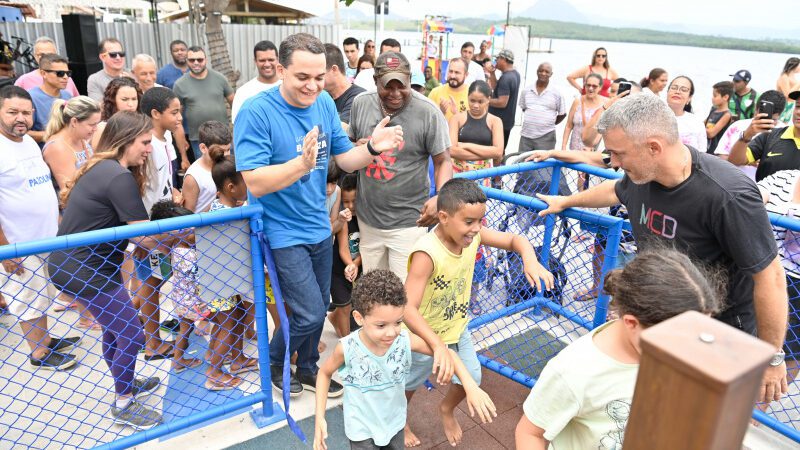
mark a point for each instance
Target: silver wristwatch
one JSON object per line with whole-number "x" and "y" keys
{"x": 777, "y": 359}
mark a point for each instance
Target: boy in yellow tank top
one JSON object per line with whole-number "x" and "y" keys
{"x": 438, "y": 286}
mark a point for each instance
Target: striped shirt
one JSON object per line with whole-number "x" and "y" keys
{"x": 781, "y": 187}
{"x": 540, "y": 110}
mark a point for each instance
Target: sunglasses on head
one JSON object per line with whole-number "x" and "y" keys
{"x": 195, "y": 60}
{"x": 116, "y": 54}
{"x": 60, "y": 73}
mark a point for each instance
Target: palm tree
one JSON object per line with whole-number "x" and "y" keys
{"x": 217, "y": 45}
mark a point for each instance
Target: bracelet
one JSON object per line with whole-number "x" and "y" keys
{"x": 371, "y": 149}
{"x": 742, "y": 138}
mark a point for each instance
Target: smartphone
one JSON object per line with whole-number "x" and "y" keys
{"x": 766, "y": 107}
{"x": 624, "y": 86}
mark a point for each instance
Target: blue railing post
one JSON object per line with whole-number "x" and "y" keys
{"x": 609, "y": 263}
{"x": 270, "y": 411}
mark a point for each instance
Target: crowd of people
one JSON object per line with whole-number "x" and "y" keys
{"x": 351, "y": 155}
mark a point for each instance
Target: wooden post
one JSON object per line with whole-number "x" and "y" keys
{"x": 697, "y": 385}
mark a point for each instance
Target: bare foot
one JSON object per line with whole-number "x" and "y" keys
{"x": 410, "y": 438}
{"x": 451, "y": 427}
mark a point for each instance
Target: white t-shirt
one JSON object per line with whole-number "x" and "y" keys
{"x": 28, "y": 202}
{"x": 159, "y": 172}
{"x": 366, "y": 79}
{"x": 692, "y": 131}
{"x": 781, "y": 186}
{"x": 730, "y": 137}
{"x": 208, "y": 190}
{"x": 583, "y": 397}
{"x": 248, "y": 90}
{"x": 474, "y": 73}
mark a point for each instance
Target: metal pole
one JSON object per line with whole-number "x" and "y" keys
{"x": 157, "y": 32}
{"x": 508, "y": 13}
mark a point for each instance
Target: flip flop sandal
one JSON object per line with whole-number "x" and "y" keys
{"x": 216, "y": 385}
{"x": 159, "y": 356}
{"x": 193, "y": 364}
{"x": 251, "y": 366}
{"x": 59, "y": 307}
{"x": 585, "y": 295}
{"x": 94, "y": 326}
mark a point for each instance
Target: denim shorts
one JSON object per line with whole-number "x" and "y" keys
{"x": 422, "y": 365}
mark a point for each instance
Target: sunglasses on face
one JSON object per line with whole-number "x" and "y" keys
{"x": 116, "y": 54}
{"x": 600, "y": 56}
{"x": 60, "y": 73}
{"x": 195, "y": 60}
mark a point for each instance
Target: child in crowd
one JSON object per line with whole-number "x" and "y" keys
{"x": 184, "y": 294}
{"x": 333, "y": 198}
{"x": 346, "y": 260}
{"x": 720, "y": 116}
{"x": 224, "y": 313}
{"x": 374, "y": 363}
{"x": 582, "y": 398}
{"x": 231, "y": 193}
{"x": 441, "y": 267}
{"x": 199, "y": 189}
{"x": 152, "y": 269}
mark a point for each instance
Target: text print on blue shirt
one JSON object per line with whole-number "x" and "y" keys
{"x": 322, "y": 152}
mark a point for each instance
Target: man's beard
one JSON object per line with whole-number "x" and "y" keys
{"x": 455, "y": 84}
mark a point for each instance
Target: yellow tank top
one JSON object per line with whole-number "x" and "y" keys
{"x": 445, "y": 302}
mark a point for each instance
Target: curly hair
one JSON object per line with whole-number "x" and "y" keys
{"x": 110, "y": 95}
{"x": 377, "y": 288}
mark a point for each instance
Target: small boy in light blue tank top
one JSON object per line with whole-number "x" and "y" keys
{"x": 373, "y": 363}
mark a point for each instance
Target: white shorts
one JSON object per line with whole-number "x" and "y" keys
{"x": 29, "y": 295}
{"x": 387, "y": 249}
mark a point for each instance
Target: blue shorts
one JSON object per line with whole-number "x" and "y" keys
{"x": 422, "y": 365}
{"x": 155, "y": 264}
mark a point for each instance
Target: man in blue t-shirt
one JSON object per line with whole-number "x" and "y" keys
{"x": 283, "y": 138}
{"x": 55, "y": 74}
{"x": 170, "y": 73}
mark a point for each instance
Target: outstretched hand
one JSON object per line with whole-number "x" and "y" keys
{"x": 309, "y": 156}
{"x": 536, "y": 274}
{"x": 555, "y": 204}
{"x": 320, "y": 434}
{"x": 386, "y": 138}
{"x": 478, "y": 401}
{"x": 539, "y": 155}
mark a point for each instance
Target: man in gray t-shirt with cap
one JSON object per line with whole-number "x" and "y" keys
{"x": 392, "y": 203}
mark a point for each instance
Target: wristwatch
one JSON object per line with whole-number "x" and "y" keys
{"x": 777, "y": 359}
{"x": 743, "y": 139}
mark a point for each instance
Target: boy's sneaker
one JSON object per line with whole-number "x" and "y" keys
{"x": 54, "y": 361}
{"x": 309, "y": 381}
{"x": 171, "y": 325}
{"x": 276, "y": 373}
{"x": 144, "y": 386}
{"x": 63, "y": 343}
{"x": 135, "y": 415}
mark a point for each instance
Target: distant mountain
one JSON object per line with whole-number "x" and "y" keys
{"x": 560, "y": 10}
